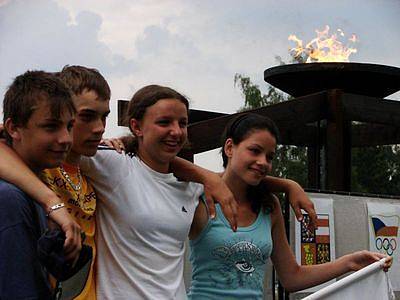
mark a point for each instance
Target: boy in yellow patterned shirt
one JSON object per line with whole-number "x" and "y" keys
{"x": 81, "y": 205}
{"x": 91, "y": 96}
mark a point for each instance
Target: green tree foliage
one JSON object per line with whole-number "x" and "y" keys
{"x": 376, "y": 170}
{"x": 253, "y": 98}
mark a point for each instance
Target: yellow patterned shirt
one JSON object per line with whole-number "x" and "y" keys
{"x": 81, "y": 205}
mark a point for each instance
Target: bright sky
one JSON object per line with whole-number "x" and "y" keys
{"x": 195, "y": 47}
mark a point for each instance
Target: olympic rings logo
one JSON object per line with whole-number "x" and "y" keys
{"x": 388, "y": 245}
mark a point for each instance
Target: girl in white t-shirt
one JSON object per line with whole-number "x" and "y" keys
{"x": 144, "y": 213}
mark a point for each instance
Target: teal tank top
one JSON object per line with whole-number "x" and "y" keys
{"x": 227, "y": 264}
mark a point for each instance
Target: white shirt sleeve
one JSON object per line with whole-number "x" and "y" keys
{"x": 198, "y": 190}
{"x": 106, "y": 167}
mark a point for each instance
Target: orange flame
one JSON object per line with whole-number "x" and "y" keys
{"x": 324, "y": 48}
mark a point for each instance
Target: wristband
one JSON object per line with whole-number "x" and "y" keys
{"x": 54, "y": 208}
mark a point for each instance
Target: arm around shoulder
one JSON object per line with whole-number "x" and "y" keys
{"x": 15, "y": 171}
{"x": 215, "y": 188}
{"x": 297, "y": 197}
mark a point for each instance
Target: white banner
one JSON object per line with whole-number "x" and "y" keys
{"x": 370, "y": 283}
{"x": 384, "y": 222}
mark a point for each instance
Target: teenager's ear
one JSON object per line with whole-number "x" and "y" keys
{"x": 12, "y": 129}
{"x": 135, "y": 127}
{"x": 228, "y": 147}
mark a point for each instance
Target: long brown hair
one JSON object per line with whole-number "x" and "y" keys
{"x": 238, "y": 129}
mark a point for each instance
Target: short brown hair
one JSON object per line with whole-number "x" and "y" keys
{"x": 25, "y": 92}
{"x": 79, "y": 78}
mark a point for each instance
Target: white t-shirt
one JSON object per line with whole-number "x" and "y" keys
{"x": 143, "y": 219}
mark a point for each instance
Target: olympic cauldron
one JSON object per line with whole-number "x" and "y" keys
{"x": 330, "y": 97}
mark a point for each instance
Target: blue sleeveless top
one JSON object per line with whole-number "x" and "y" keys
{"x": 227, "y": 264}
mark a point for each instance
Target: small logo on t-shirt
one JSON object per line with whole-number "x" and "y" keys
{"x": 184, "y": 209}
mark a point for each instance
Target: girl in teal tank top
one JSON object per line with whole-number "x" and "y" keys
{"x": 231, "y": 265}
{"x": 239, "y": 258}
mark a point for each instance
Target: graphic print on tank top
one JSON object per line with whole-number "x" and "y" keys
{"x": 242, "y": 264}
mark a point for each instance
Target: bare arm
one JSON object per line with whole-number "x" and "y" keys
{"x": 297, "y": 197}
{"x": 295, "y": 277}
{"x": 200, "y": 220}
{"x": 214, "y": 188}
{"x": 14, "y": 170}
